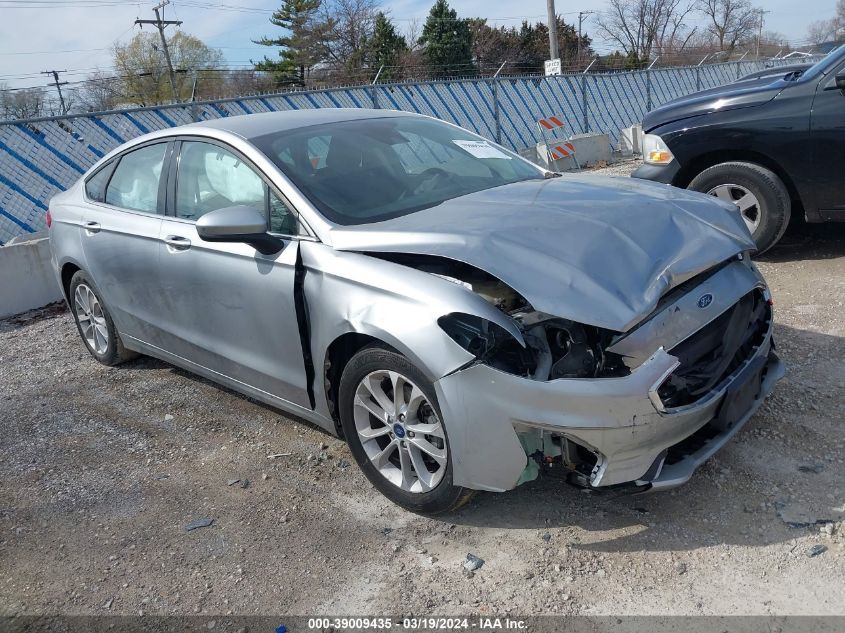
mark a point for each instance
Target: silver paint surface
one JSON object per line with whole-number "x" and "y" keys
{"x": 595, "y": 250}
{"x": 600, "y": 251}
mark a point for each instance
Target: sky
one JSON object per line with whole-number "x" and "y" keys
{"x": 77, "y": 35}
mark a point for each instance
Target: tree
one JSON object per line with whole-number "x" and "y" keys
{"x": 447, "y": 42}
{"x": 22, "y": 103}
{"x": 730, "y": 21}
{"x": 301, "y": 48}
{"x": 823, "y": 31}
{"x": 642, "y": 27}
{"x": 492, "y": 46}
{"x": 386, "y": 47}
{"x": 143, "y": 71}
{"x": 346, "y": 26}
{"x": 100, "y": 92}
{"x": 534, "y": 44}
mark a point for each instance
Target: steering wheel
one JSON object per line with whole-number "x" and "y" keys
{"x": 433, "y": 174}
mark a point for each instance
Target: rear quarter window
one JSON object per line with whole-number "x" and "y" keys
{"x": 95, "y": 186}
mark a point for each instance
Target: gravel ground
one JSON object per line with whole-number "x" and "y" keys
{"x": 103, "y": 469}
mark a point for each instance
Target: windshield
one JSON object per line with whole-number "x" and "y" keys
{"x": 363, "y": 171}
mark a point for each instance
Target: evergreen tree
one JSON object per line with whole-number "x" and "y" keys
{"x": 386, "y": 47}
{"x": 534, "y": 44}
{"x": 447, "y": 41}
{"x": 301, "y": 48}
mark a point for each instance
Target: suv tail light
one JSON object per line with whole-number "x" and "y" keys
{"x": 49, "y": 219}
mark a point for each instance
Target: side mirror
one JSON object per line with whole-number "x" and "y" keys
{"x": 238, "y": 224}
{"x": 840, "y": 81}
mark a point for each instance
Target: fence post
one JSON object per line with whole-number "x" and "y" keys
{"x": 584, "y": 103}
{"x": 496, "y": 115}
{"x": 648, "y": 90}
{"x": 697, "y": 78}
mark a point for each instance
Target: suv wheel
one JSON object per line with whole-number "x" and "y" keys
{"x": 759, "y": 194}
{"x": 94, "y": 322}
{"x": 391, "y": 420}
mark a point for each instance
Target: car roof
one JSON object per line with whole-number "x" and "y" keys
{"x": 251, "y": 126}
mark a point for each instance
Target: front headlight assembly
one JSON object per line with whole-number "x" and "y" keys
{"x": 655, "y": 151}
{"x": 556, "y": 348}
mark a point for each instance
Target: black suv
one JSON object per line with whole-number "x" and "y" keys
{"x": 768, "y": 144}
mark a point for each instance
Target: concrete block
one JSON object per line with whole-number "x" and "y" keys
{"x": 26, "y": 277}
{"x": 590, "y": 149}
{"x": 630, "y": 140}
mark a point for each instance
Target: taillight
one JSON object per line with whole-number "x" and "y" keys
{"x": 49, "y": 219}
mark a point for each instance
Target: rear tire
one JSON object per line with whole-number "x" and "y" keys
{"x": 94, "y": 322}
{"x": 399, "y": 443}
{"x": 768, "y": 215}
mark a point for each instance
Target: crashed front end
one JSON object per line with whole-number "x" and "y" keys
{"x": 626, "y": 334}
{"x": 641, "y": 409}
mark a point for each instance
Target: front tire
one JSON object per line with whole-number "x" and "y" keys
{"x": 94, "y": 322}
{"x": 761, "y": 196}
{"x": 391, "y": 419}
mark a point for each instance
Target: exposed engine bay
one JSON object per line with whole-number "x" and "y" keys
{"x": 556, "y": 348}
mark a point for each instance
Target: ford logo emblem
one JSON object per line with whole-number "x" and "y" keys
{"x": 705, "y": 300}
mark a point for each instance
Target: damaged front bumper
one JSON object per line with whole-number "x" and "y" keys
{"x": 499, "y": 423}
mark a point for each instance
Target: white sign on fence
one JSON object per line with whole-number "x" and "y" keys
{"x": 552, "y": 67}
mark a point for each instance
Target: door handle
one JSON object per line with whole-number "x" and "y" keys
{"x": 92, "y": 227}
{"x": 177, "y": 242}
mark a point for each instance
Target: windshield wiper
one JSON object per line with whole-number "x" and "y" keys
{"x": 551, "y": 174}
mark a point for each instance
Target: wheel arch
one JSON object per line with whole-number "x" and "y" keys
{"x": 68, "y": 270}
{"x": 341, "y": 350}
{"x": 338, "y": 354}
{"x": 711, "y": 159}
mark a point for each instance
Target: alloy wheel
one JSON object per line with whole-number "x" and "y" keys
{"x": 747, "y": 202}
{"x": 400, "y": 432}
{"x": 92, "y": 321}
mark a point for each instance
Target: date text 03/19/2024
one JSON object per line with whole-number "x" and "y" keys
{"x": 422, "y": 623}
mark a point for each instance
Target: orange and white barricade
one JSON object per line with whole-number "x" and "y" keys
{"x": 558, "y": 146}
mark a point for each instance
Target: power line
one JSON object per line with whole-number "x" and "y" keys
{"x": 58, "y": 84}
{"x": 581, "y": 16}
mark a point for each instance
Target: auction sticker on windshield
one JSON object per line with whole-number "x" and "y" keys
{"x": 481, "y": 149}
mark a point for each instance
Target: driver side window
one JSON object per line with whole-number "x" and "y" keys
{"x": 210, "y": 178}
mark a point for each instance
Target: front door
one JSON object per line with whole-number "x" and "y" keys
{"x": 827, "y": 123}
{"x": 227, "y": 307}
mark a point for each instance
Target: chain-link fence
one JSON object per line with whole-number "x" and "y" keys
{"x": 41, "y": 157}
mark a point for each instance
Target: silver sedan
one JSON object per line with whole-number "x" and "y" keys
{"x": 463, "y": 318}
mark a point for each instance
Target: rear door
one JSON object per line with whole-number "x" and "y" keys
{"x": 229, "y": 308}
{"x": 120, "y": 231}
{"x": 827, "y": 123}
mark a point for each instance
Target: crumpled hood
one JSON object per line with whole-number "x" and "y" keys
{"x": 722, "y": 99}
{"x": 600, "y": 251}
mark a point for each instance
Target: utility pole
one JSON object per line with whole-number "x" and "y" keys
{"x": 58, "y": 85}
{"x": 763, "y": 12}
{"x": 581, "y": 16}
{"x": 554, "y": 50}
{"x": 160, "y": 24}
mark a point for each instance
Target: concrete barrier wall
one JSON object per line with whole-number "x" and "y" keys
{"x": 26, "y": 277}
